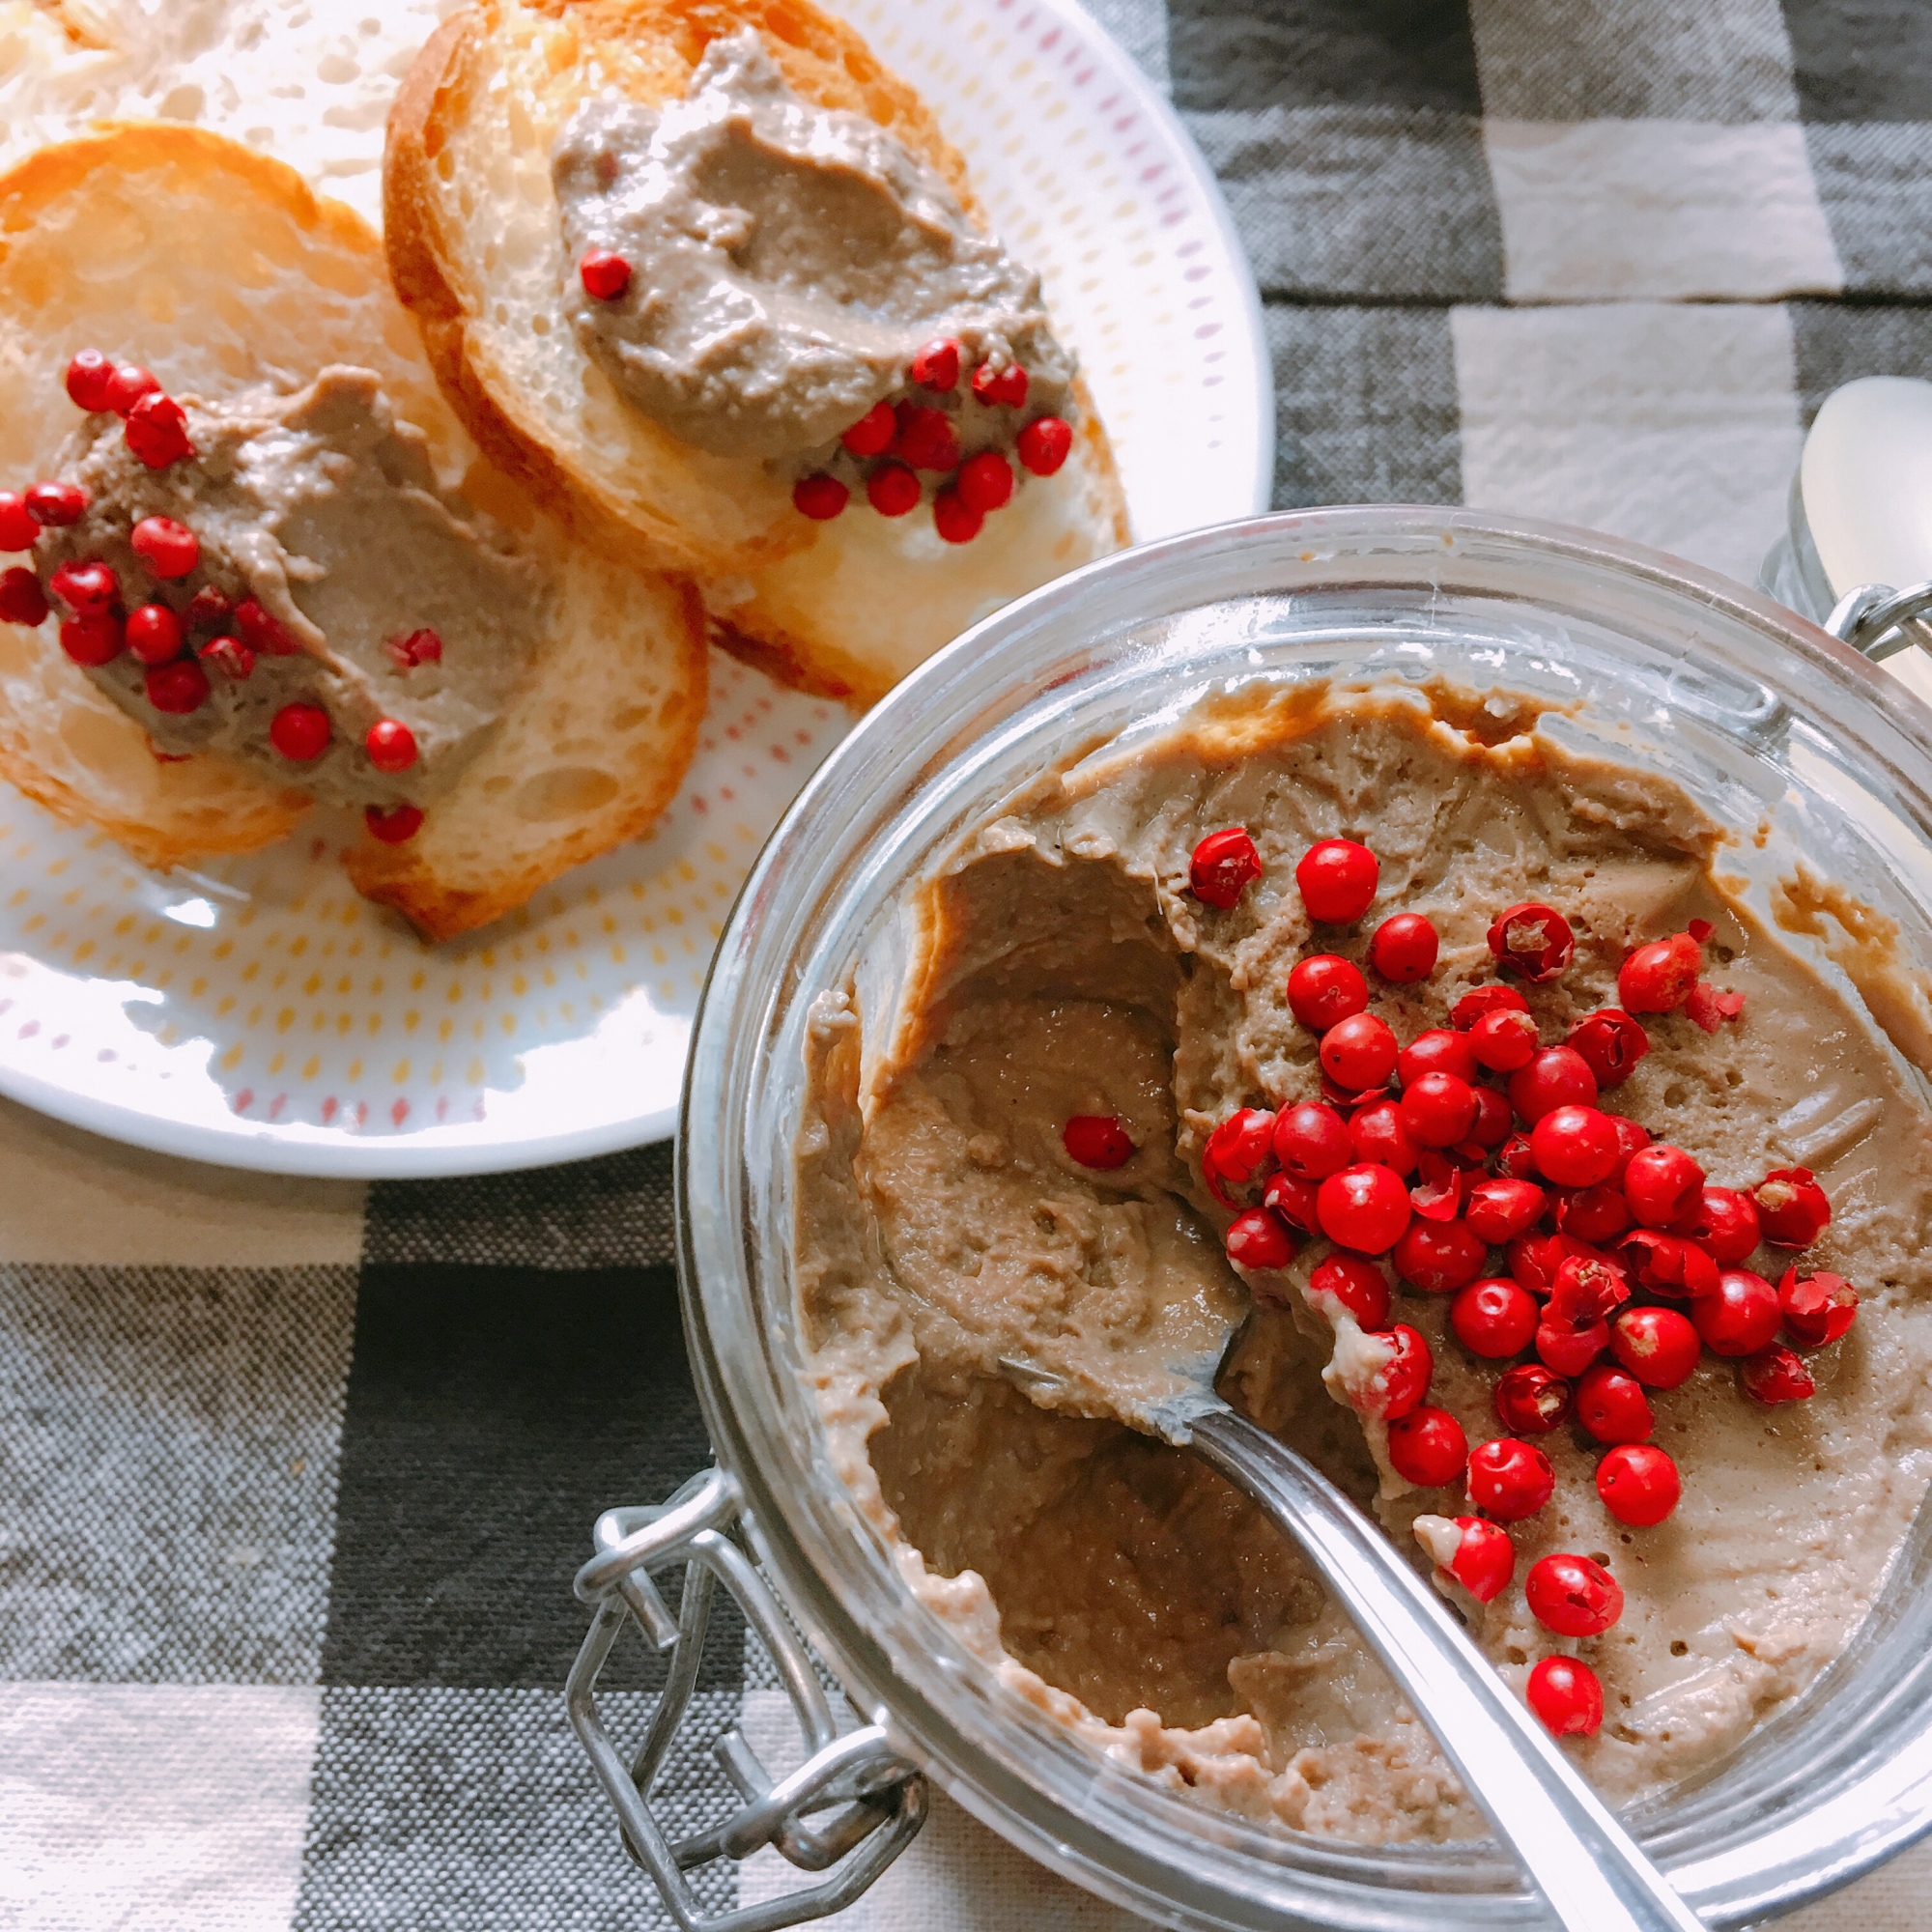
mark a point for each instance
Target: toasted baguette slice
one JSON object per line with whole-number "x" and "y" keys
{"x": 218, "y": 269}
{"x": 842, "y": 607}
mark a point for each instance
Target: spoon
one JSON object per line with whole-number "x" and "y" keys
{"x": 1588, "y": 1869}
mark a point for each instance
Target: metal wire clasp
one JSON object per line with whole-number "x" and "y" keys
{"x": 1878, "y": 621}
{"x": 881, "y": 1799}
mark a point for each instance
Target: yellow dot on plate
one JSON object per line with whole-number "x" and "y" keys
{"x": 196, "y": 988}
{"x": 275, "y": 1065}
{"x": 509, "y": 1022}
{"x": 402, "y": 1072}
{"x": 224, "y": 1005}
{"x": 444, "y": 1028}
{"x": 311, "y": 1067}
{"x": 224, "y": 949}
{"x": 473, "y": 1074}
{"x": 410, "y": 1021}
{"x": 343, "y": 1022}
{"x": 232, "y": 1059}
{"x": 285, "y": 1019}
{"x": 354, "y": 1071}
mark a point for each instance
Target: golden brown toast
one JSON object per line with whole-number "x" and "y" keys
{"x": 844, "y": 608}
{"x": 219, "y": 270}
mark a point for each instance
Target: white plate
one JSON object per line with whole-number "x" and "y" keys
{"x": 262, "y": 1015}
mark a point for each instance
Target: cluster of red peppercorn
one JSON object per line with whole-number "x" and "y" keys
{"x": 175, "y": 646}
{"x": 1620, "y": 1262}
{"x": 899, "y": 439}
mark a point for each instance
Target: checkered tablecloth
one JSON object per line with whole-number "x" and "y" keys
{"x": 294, "y": 1476}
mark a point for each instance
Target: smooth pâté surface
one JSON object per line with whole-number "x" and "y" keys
{"x": 1072, "y": 973}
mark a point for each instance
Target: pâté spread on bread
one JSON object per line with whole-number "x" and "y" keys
{"x": 776, "y": 280}
{"x": 278, "y": 578}
{"x": 1581, "y": 1220}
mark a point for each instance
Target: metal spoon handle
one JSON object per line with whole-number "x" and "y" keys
{"x": 1586, "y": 1865}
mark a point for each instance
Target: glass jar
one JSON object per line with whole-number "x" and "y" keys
{"x": 1759, "y": 715}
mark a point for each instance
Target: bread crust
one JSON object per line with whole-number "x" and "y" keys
{"x": 257, "y": 277}
{"x": 842, "y": 609}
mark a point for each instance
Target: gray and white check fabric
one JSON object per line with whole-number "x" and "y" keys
{"x": 294, "y": 1476}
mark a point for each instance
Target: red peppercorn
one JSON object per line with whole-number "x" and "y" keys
{"x": 1662, "y": 1183}
{"x": 1568, "y": 1347}
{"x": 926, "y": 438}
{"x": 1364, "y": 1208}
{"x": 604, "y": 273}
{"x": 1437, "y": 1196}
{"x": 154, "y": 635}
{"x": 1575, "y": 1147}
{"x": 1567, "y": 1696}
{"x": 1353, "y": 1284}
{"x": 1531, "y": 1399}
{"x": 1817, "y": 1308}
{"x": 392, "y": 745}
{"x": 157, "y": 431}
{"x": 936, "y": 366}
{"x": 1725, "y": 1224}
{"x": 1658, "y": 977}
{"x": 1573, "y": 1596}
{"x": 1236, "y": 1150}
{"x": 1791, "y": 1206}
{"x": 1669, "y": 1265}
{"x": 1324, "y": 988}
{"x": 1437, "y": 1050}
{"x": 1224, "y": 866}
{"x": 1503, "y": 1041}
{"x": 168, "y": 549}
{"x": 1295, "y": 1201}
{"x": 1001, "y": 388}
{"x": 985, "y": 481}
{"x": 1657, "y": 1345}
{"x": 872, "y": 433}
{"x": 892, "y": 490}
{"x": 1509, "y": 1479}
{"x": 1097, "y": 1141}
{"x": 300, "y": 731}
{"x": 230, "y": 656}
{"x": 1258, "y": 1240}
{"x": 88, "y": 377}
{"x": 1774, "y": 1375}
{"x": 1639, "y": 1484}
{"x": 18, "y": 530}
{"x": 1515, "y": 1160}
{"x": 1389, "y": 1374}
{"x": 1044, "y": 444}
{"x": 266, "y": 634}
{"x": 1375, "y": 1134}
{"x": 1612, "y": 1404}
{"x": 1312, "y": 1141}
{"x": 1437, "y": 1109}
{"x": 1480, "y": 1000}
{"x": 957, "y": 521}
{"x": 1741, "y": 1317}
{"x": 94, "y": 637}
{"x": 419, "y": 647}
{"x": 1597, "y": 1215}
{"x": 1426, "y": 1447}
{"x": 1493, "y": 1120}
{"x": 22, "y": 601}
{"x": 126, "y": 388}
{"x": 1337, "y": 880}
{"x": 1611, "y": 1043}
{"x": 1494, "y": 1318}
{"x": 1403, "y": 949}
{"x": 1588, "y": 1287}
{"x": 394, "y": 824}
{"x": 1499, "y": 1209}
{"x": 86, "y": 587}
{"x": 1532, "y": 941}
{"x": 1483, "y": 1560}
{"x": 1556, "y": 1076}
{"x": 179, "y": 687}
{"x": 55, "y": 507}
{"x": 207, "y": 610}
{"x": 1536, "y": 1260}
{"x": 1439, "y": 1257}
{"x": 819, "y": 496}
{"x": 1632, "y": 1139}
{"x": 1358, "y": 1052}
